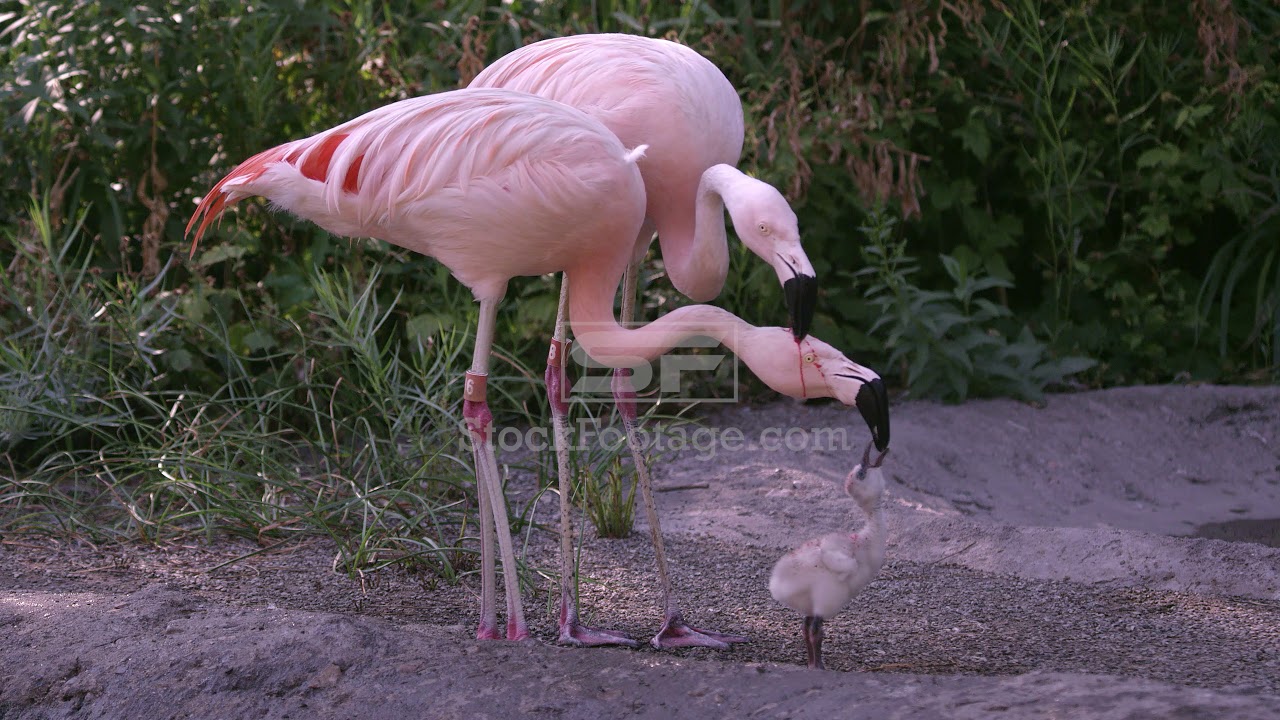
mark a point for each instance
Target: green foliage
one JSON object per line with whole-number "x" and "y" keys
{"x": 1098, "y": 154}
{"x": 609, "y": 499}
{"x": 949, "y": 343}
{"x": 601, "y": 464}
{"x": 63, "y": 347}
{"x": 1119, "y": 168}
{"x": 348, "y": 437}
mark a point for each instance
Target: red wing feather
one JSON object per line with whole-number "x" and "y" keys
{"x": 315, "y": 167}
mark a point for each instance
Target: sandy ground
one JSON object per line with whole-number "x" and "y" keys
{"x": 1112, "y": 555}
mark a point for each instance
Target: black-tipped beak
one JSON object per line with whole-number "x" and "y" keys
{"x": 801, "y": 292}
{"x": 873, "y": 403}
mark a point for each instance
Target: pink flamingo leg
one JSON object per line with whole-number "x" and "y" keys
{"x": 572, "y": 632}
{"x": 473, "y": 415}
{"x": 479, "y": 421}
{"x": 675, "y": 632}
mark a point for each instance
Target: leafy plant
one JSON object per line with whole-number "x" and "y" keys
{"x": 1251, "y": 265}
{"x": 608, "y": 499}
{"x": 949, "y": 344}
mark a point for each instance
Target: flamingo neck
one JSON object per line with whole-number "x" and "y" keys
{"x": 699, "y": 263}
{"x": 597, "y": 331}
{"x": 871, "y": 538}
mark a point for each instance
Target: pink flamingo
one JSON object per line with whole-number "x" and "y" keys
{"x": 677, "y": 102}
{"x": 821, "y": 576}
{"x": 497, "y": 184}
{"x": 667, "y": 96}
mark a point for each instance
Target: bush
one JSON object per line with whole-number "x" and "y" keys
{"x": 1099, "y": 157}
{"x": 1119, "y": 170}
{"x": 951, "y": 344}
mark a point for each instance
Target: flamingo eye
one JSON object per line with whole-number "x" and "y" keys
{"x": 809, "y": 357}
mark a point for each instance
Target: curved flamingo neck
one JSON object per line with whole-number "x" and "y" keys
{"x": 875, "y": 523}
{"x": 871, "y": 537}
{"x": 596, "y": 329}
{"x": 698, "y": 263}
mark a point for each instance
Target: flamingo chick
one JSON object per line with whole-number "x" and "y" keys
{"x": 821, "y": 576}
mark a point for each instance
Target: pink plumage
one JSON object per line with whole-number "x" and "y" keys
{"x": 449, "y": 176}
{"x": 677, "y": 102}
{"x": 497, "y": 184}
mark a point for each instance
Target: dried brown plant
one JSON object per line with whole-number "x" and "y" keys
{"x": 1218, "y": 27}
{"x": 475, "y": 44}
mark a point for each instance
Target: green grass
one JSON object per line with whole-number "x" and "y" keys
{"x": 609, "y": 499}
{"x": 350, "y": 437}
{"x": 335, "y": 424}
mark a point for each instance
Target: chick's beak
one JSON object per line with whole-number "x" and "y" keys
{"x": 873, "y": 403}
{"x": 801, "y": 292}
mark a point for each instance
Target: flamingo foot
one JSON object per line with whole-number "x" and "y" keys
{"x": 517, "y": 630}
{"x": 675, "y": 633}
{"x": 514, "y": 632}
{"x": 576, "y": 634}
{"x": 579, "y": 635}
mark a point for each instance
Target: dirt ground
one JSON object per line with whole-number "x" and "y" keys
{"x": 1115, "y": 554}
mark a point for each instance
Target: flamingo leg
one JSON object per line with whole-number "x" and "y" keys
{"x": 479, "y": 420}
{"x": 572, "y": 631}
{"x": 674, "y": 632}
{"x": 488, "y": 628}
{"x": 813, "y": 641}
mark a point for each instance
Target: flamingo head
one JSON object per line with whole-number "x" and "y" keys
{"x": 811, "y": 368}
{"x": 865, "y": 483}
{"x": 765, "y": 223}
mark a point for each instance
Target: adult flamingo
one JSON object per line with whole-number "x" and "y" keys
{"x": 682, "y": 106}
{"x": 668, "y": 97}
{"x": 497, "y": 184}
